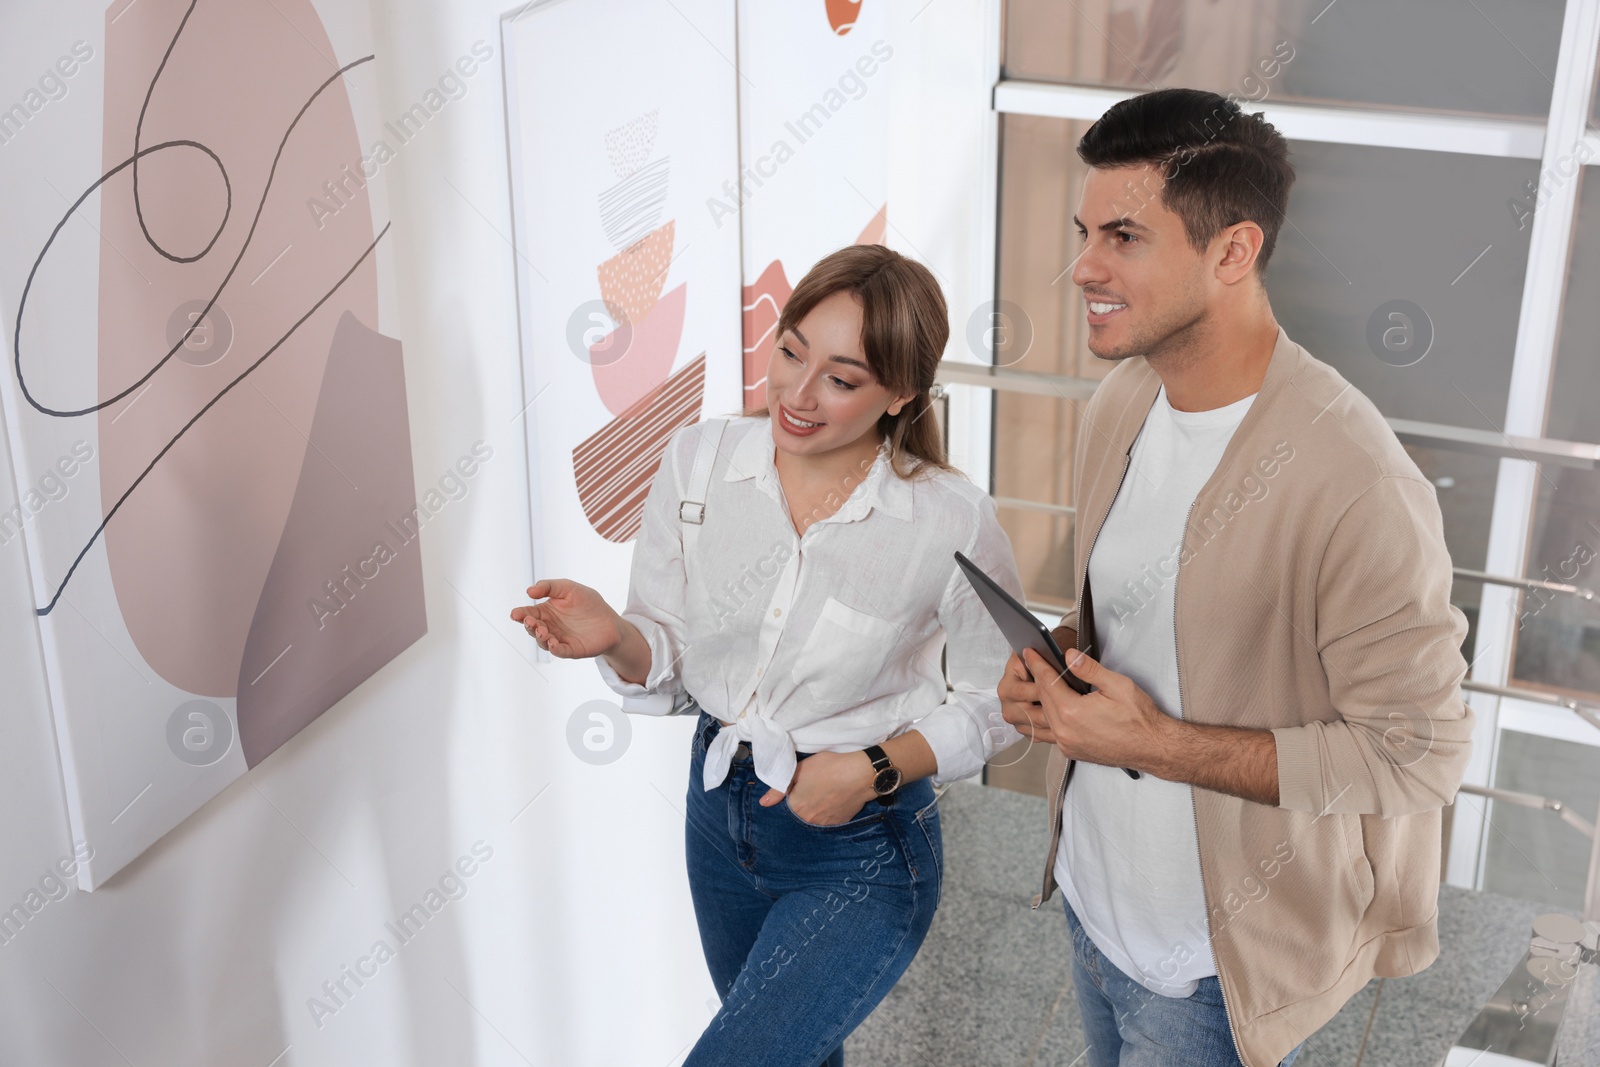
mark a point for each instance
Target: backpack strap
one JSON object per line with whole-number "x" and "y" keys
{"x": 692, "y": 510}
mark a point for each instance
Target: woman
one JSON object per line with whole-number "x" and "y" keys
{"x": 803, "y": 617}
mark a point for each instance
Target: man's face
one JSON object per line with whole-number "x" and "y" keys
{"x": 1144, "y": 285}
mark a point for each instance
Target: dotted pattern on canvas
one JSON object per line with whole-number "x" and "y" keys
{"x": 629, "y": 144}
{"x": 631, "y": 281}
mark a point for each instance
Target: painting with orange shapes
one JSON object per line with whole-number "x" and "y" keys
{"x": 206, "y": 404}
{"x": 632, "y": 363}
{"x": 842, "y": 14}
{"x": 627, "y": 271}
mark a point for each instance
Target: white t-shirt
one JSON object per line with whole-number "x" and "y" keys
{"x": 1129, "y": 861}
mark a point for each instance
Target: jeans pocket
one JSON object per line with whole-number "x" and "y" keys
{"x": 870, "y": 812}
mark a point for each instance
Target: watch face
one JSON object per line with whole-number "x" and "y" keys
{"x": 887, "y": 781}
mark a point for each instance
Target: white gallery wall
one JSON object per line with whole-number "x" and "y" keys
{"x": 555, "y": 925}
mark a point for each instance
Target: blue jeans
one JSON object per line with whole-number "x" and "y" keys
{"x": 1126, "y": 1025}
{"x": 805, "y": 928}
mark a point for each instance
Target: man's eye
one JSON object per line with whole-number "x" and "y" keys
{"x": 1129, "y": 237}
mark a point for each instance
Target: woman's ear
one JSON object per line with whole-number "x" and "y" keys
{"x": 900, "y": 402}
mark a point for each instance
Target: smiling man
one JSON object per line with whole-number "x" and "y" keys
{"x": 1264, "y": 614}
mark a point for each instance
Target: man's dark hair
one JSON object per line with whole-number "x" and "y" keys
{"x": 1221, "y": 166}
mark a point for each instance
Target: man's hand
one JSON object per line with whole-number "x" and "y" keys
{"x": 1116, "y": 724}
{"x": 1019, "y": 693}
{"x": 828, "y": 787}
{"x": 1019, "y": 702}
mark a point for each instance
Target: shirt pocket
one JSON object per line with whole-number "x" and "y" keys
{"x": 845, "y": 653}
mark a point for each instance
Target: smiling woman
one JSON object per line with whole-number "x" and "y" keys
{"x": 864, "y": 316}
{"x": 803, "y": 623}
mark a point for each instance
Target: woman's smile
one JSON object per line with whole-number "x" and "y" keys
{"x": 796, "y": 425}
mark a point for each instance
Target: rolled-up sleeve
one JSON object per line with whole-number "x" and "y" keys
{"x": 657, "y": 589}
{"x": 1390, "y": 643}
{"x": 967, "y": 728}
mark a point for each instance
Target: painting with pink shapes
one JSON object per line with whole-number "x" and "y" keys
{"x": 206, "y": 400}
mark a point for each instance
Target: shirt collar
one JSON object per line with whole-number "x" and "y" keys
{"x": 883, "y": 489}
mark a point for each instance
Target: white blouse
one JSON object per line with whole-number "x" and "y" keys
{"x": 828, "y": 641}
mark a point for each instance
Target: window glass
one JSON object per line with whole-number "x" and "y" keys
{"x": 1489, "y": 57}
{"x": 1404, "y": 270}
{"x": 1558, "y": 636}
{"x": 1041, "y": 315}
{"x": 1574, "y": 413}
{"x": 1533, "y": 854}
{"x": 1594, "y": 109}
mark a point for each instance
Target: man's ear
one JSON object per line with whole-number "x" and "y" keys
{"x": 1237, "y": 248}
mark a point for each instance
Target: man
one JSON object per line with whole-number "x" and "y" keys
{"x": 1264, "y": 614}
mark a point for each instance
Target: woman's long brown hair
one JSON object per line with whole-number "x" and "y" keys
{"x": 904, "y": 327}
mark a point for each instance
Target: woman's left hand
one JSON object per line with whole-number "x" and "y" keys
{"x": 827, "y": 788}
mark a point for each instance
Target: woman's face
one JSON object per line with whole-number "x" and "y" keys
{"x": 818, "y": 375}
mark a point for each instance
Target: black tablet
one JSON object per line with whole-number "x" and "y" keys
{"x": 1020, "y": 627}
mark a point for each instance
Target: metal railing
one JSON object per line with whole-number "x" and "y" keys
{"x": 1591, "y": 890}
{"x": 1589, "y": 713}
{"x": 1529, "y": 800}
{"x": 1553, "y": 451}
{"x": 1526, "y": 584}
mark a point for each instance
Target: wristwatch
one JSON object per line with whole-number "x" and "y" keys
{"x": 888, "y": 775}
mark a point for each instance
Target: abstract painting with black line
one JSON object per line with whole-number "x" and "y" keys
{"x": 210, "y": 585}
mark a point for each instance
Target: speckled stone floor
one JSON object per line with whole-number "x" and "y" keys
{"x": 992, "y": 985}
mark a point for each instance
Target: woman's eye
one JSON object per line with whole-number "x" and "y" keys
{"x": 788, "y": 353}
{"x": 842, "y": 383}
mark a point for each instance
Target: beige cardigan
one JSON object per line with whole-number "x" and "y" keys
{"x": 1312, "y": 599}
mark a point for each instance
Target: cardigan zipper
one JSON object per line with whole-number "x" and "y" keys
{"x": 1061, "y": 793}
{"x": 1178, "y": 668}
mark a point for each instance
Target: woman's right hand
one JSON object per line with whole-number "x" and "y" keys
{"x": 573, "y": 622}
